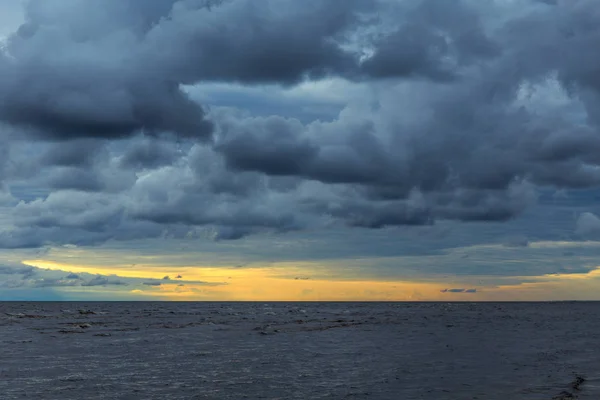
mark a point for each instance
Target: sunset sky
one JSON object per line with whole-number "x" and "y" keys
{"x": 299, "y": 150}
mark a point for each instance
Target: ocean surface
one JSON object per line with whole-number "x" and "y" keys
{"x": 300, "y": 350}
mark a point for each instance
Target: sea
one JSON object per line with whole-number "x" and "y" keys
{"x": 215, "y": 350}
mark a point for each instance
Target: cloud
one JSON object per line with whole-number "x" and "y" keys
{"x": 588, "y": 226}
{"x": 456, "y": 113}
{"x": 26, "y": 271}
{"x": 74, "y": 70}
{"x": 517, "y": 241}
{"x": 102, "y": 281}
{"x": 95, "y": 81}
{"x": 149, "y": 153}
{"x": 458, "y": 290}
{"x": 75, "y": 153}
{"x": 47, "y": 283}
{"x": 247, "y": 34}
{"x": 20, "y": 280}
{"x": 433, "y": 41}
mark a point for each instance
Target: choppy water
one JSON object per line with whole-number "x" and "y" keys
{"x": 299, "y": 350}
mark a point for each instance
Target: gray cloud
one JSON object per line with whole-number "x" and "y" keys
{"x": 24, "y": 270}
{"x": 75, "y": 178}
{"x": 75, "y": 153}
{"x": 471, "y": 157}
{"x": 464, "y": 113}
{"x": 49, "y": 282}
{"x": 82, "y": 69}
{"x": 247, "y": 35}
{"x": 517, "y": 241}
{"x": 149, "y": 153}
{"x": 435, "y": 40}
{"x": 588, "y": 226}
{"x": 102, "y": 281}
{"x": 72, "y": 70}
{"x": 459, "y": 290}
{"x": 22, "y": 278}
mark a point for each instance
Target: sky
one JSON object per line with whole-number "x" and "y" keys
{"x": 300, "y": 150}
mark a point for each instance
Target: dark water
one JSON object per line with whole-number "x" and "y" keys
{"x": 299, "y": 350}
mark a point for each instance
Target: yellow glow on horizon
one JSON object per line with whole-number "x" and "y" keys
{"x": 141, "y": 271}
{"x": 277, "y": 289}
{"x": 256, "y": 284}
{"x": 277, "y": 283}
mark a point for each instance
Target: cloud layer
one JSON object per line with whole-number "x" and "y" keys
{"x": 464, "y": 111}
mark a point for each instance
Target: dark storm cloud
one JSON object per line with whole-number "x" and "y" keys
{"x": 71, "y": 70}
{"x": 435, "y": 39}
{"x": 272, "y": 145}
{"x": 75, "y": 153}
{"x": 279, "y": 146}
{"x": 107, "y": 69}
{"x": 162, "y": 108}
{"x": 256, "y": 42}
{"x": 477, "y": 150}
{"x": 374, "y": 185}
{"x": 149, "y": 153}
{"x": 208, "y": 194}
{"x": 70, "y": 209}
{"x": 80, "y": 68}
{"x": 466, "y": 112}
{"x": 75, "y": 178}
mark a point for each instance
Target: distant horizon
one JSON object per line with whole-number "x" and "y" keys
{"x": 308, "y": 301}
